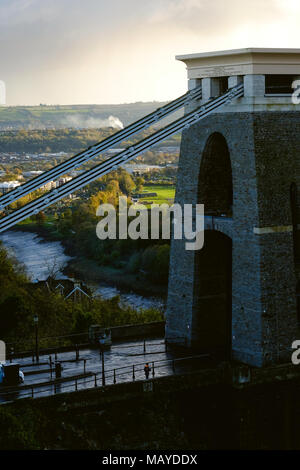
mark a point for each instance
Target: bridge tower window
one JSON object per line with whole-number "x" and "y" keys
{"x": 223, "y": 85}
{"x": 279, "y": 84}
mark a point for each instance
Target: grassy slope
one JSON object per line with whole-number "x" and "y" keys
{"x": 165, "y": 194}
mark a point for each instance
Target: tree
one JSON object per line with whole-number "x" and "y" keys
{"x": 41, "y": 218}
{"x": 139, "y": 183}
{"x": 126, "y": 183}
{"x": 54, "y": 267}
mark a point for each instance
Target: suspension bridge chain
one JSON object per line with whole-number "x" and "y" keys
{"x": 91, "y": 152}
{"x": 114, "y": 162}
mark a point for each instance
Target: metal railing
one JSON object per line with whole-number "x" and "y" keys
{"x": 50, "y": 343}
{"x": 123, "y": 374}
{"x": 26, "y": 347}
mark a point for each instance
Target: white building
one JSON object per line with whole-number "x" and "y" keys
{"x": 50, "y": 185}
{"x": 8, "y": 186}
{"x": 32, "y": 174}
{"x": 64, "y": 180}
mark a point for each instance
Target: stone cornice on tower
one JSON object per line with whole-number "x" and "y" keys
{"x": 265, "y": 61}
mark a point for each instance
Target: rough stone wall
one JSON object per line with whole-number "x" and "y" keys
{"x": 209, "y": 409}
{"x": 264, "y": 150}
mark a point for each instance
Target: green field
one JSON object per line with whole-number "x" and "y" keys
{"x": 165, "y": 194}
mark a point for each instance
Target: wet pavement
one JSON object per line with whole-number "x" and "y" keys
{"x": 124, "y": 362}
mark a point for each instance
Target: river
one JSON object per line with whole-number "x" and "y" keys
{"x": 41, "y": 257}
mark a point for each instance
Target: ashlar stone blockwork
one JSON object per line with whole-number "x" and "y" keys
{"x": 264, "y": 152}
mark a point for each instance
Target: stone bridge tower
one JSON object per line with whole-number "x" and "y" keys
{"x": 238, "y": 295}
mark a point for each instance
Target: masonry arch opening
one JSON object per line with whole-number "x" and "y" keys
{"x": 212, "y": 318}
{"x": 212, "y": 315}
{"x": 215, "y": 188}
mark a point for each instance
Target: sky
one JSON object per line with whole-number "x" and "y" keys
{"x": 122, "y": 51}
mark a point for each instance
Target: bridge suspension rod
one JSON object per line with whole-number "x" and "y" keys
{"x": 114, "y": 162}
{"x": 83, "y": 157}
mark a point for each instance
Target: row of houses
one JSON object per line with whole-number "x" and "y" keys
{"x": 7, "y": 186}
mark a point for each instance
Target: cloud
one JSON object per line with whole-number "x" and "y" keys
{"x": 69, "y": 51}
{"x": 208, "y": 15}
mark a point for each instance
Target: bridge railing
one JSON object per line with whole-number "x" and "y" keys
{"x": 26, "y": 347}
{"x": 53, "y": 344}
{"x": 130, "y": 373}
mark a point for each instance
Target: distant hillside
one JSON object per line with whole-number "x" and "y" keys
{"x": 77, "y": 116}
{"x": 64, "y": 140}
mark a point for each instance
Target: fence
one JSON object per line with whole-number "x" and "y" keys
{"x": 92, "y": 380}
{"x": 26, "y": 347}
{"x": 51, "y": 344}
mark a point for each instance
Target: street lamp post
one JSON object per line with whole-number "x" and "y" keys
{"x": 103, "y": 367}
{"x": 36, "y": 323}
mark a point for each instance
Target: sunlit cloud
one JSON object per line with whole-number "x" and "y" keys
{"x": 69, "y": 51}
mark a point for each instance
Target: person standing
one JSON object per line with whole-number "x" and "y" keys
{"x": 147, "y": 370}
